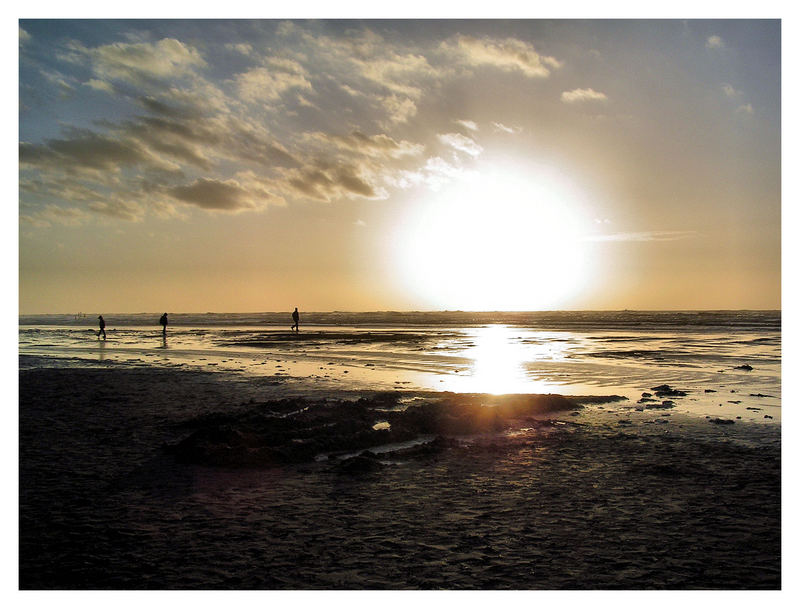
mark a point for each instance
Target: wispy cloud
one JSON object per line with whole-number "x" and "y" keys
{"x": 714, "y": 42}
{"x": 136, "y": 63}
{"x": 461, "y": 143}
{"x": 505, "y": 128}
{"x": 241, "y": 48}
{"x": 506, "y": 54}
{"x": 471, "y": 125}
{"x": 583, "y": 95}
{"x": 318, "y": 119}
{"x": 99, "y": 85}
{"x": 644, "y": 236}
{"x": 269, "y": 82}
{"x": 729, "y": 91}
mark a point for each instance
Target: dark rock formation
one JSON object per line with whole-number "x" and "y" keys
{"x": 297, "y": 430}
{"x": 665, "y": 390}
{"x": 662, "y": 405}
{"x": 718, "y": 421}
{"x": 364, "y": 463}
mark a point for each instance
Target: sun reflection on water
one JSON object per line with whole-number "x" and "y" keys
{"x": 498, "y": 361}
{"x": 501, "y": 358}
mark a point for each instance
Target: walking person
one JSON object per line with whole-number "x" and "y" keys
{"x": 163, "y": 321}
{"x": 102, "y": 327}
{"x": 296, "y": 318}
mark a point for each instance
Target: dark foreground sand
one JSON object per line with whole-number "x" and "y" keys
{"x": 113, "y": 494}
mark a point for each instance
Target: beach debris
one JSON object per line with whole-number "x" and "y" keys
{"x": 734, "y": 401}
{"x": 766, "y": 416}
{"x": 744, "y": 367}
{"x": 710, "y": 390}
{"x": 647, "y": 395}
{"x": 666, "y": 390}
{"x": 760, "y": 395}
{"x": 751, "y": 408}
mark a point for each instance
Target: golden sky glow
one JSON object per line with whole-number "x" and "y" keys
{"x": 363, "y": 165}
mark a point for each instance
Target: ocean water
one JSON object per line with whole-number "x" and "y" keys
{"x": 727, "y": 362}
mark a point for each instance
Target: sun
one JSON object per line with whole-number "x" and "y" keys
{"x": 497, "y": 240}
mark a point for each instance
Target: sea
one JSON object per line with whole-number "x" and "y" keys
{"x": 728, "y": 363}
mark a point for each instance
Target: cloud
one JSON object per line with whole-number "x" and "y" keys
{"x": 320, "y": 121}
{"x": 398, "y": 72}
{"x": 213, "y": 195}
{"x": 379, "y": 145}
{"x": 399, "y": 109}
{"x": 69, "y": 216}
{"x": 137, "y": 63}
{"x": 505, "y": 128}
{"x": 325, "y": 183}
{"x": 746, "y": 109}
{"x": 645, "y": 236}
{"x": 100, "y": 85}
{"x": 729, "y": 91}
{"x": 157, "y": 106}
{"x": 582, "y": 96}
{"x": 242, "y": 48}
{"x": 118, "y": 209}
{"x": 87, "y": 150}
{"x": 269, "y": 83}
{"x": 23, "y": 36}
{"x": 714, "y": 42}
{"x": 59, "y": 80}
{"x": 509, "y": 54}
{"x": 364, "y": 62}
{"x": 461, "y": 143}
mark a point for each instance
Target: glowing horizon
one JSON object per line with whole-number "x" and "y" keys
{"x": 502, "y": 165}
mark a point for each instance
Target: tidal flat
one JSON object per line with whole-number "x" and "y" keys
{"x": 157, "y": 478}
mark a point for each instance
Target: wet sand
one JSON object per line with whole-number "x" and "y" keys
{"x": 581, "y": 497}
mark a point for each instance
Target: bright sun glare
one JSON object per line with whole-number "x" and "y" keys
{"x": 497, "y": 240}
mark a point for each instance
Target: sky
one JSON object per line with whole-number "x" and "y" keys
{"x": 259, "y": 165}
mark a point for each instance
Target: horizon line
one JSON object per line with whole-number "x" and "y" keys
{"x": 309, "y": 312}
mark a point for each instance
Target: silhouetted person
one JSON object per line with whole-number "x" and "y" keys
{"x": 296, "y": 318}
{"x": 163, "y": 321}
{"x": 102, "y": 327}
